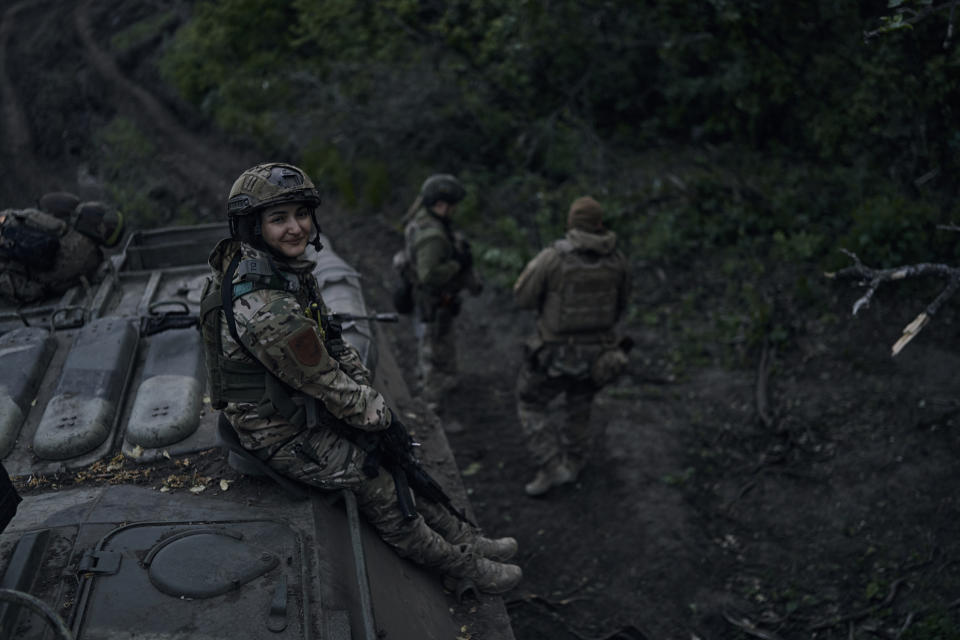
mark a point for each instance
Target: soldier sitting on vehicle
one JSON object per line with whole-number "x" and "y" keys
{"x": 438, "y": 262}
{"x": 298, "y": 396}
{"x": 579, "y": 287}
{"x": 44, "y": 253}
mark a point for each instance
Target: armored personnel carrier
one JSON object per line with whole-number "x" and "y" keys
{"x": 141, "y": 516}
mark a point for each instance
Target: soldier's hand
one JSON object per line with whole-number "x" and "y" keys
{"x": 396, "y": 435}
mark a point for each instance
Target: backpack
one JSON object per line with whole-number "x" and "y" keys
{"x": 403, "y": 289}
{"x": 35, "y": 248}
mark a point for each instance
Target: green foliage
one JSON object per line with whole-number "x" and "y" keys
{"x": 141, "y": 33}
{"x": 890, "y": 230}
{"x": 806, "y": 140}
{"x": 124, "y": 154}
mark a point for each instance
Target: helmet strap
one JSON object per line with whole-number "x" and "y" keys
{"x": 316, "y": 231}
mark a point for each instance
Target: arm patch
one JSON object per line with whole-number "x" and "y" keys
{"x": 305, "y": 347}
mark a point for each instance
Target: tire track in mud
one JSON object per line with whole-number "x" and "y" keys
{"x": 197, "y": 161}
{"x": 17, "y": 138}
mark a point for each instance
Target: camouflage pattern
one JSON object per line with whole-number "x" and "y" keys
{"x": 557, "y": 434}
{"x": 563, "y": 363}
{"x": 274, "y": 328}
{"x": 435, "y": 255}
{"x": 77, "y": 257}
{"x": 267, "y": 184}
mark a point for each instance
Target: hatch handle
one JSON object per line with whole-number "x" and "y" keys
{"x": 104, "y": 563}
{"x": 277, "y": 620}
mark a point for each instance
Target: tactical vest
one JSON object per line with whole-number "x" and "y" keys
{"x": 246, "y": 382}
{"x": 418, "y": 229}
{"x": 583, "y": 296}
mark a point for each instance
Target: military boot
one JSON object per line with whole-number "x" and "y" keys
{"x": 488, "y": 576}
{"x": 498, "y": 549}
{"x": 553, "y": 474}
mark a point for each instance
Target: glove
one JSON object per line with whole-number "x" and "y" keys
{"x": 396, "y": 436}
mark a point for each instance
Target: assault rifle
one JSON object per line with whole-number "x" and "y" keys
{"x": 393, "y": 449}
{"x": 156, "y": 322}
{"x": 376, "y": 317}
{"x": 181, "y": 319}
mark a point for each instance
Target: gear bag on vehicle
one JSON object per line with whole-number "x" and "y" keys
{"x": 32, "y": 247}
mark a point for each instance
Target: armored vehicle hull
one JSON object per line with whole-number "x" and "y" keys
{"x": 142, "y": 519}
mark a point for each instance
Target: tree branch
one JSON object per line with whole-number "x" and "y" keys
{"x": 873, "y": 278}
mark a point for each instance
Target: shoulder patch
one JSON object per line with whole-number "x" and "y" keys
{"x": 305, "y": 347}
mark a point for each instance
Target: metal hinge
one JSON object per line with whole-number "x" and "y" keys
{"x": 99, "y": 562}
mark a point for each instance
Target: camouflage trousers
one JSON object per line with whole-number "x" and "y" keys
{"x": 435, "y": 538}
{"x": 555, "y": 432}
{"x": 437, "y": 371}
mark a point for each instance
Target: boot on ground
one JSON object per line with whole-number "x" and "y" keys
{"x": 552, "y": 475}
{"x": 497, "y": 549}
{"x": 492, "y": 577}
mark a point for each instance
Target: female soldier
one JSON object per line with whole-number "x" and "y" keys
{"x": 275, "y": 365}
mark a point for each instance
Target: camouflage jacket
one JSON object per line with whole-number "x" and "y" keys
{"x": 275, "y": 329}
{"x": 599, "y": 299}
{"x": 432, "y": 249}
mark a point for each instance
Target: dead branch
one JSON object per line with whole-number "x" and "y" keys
{"x": 913, "y": 614}
{"x": 750, "y": 628}
{"x": 873, "y": 278}
{"x": 763, "y": 374}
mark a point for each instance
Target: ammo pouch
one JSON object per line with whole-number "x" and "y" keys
{"x": 32, "y": 247}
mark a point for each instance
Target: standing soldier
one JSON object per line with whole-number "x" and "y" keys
{"x": 42, "y": 254}
{"x": 579, "y": 287}
{"x": 297, "y": 395}
{"x": 439, "y": 263}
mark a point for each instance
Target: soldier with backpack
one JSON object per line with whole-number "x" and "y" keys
{"x": 44, "y": 253}
{"x": 579, "y": 287}
{"x": 437, "y": 264}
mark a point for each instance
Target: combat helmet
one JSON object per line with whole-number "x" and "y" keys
{"x": 263, "y": 186}
{"x": 61, "y": 204}
{"x": 442, "y": 186}
{"x": 100, "y": 223}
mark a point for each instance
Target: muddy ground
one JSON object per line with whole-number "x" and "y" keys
{"x": 738, "y": 491}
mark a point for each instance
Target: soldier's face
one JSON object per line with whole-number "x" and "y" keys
{"x": 443, "y": 208}
{"x": 286, "y": 228}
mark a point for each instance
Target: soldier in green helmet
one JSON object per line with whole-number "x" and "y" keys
{"x": 298, "y": 396}
{"x": 45, "y": 252}
{"x": 579, "y": 287}
{"x": 439, "y": 262}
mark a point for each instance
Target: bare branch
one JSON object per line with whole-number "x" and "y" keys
{"x": 873, "y": 278}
